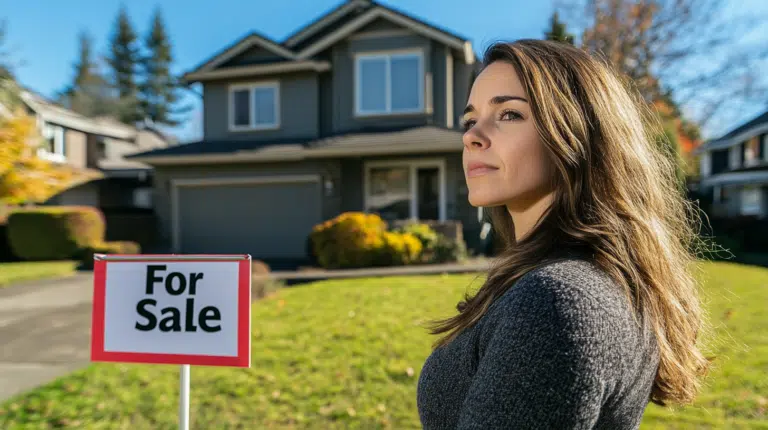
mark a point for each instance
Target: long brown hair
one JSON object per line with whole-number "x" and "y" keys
{"x": 617, "y": 196}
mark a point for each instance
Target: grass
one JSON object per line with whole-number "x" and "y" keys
{"x": 347, "y": 354}
{"x": 33, "y": 270}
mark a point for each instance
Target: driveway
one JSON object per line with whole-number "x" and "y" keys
{"x": 44, "y": 331}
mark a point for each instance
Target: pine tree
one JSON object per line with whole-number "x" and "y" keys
{"x": 158, "y": 91}
{"x": 558, "y": 31}
{"x": 90, "y": 93}
{"x": 123, "y": 60}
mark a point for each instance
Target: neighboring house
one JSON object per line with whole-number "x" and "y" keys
{"x": 357, "y": 111}
{"x": 97, "y": 147}
{"x": 734, "y": 170}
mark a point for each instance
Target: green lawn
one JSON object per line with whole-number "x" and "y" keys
{"x": 347, "y": 354}
{"x": 30, "y": 271}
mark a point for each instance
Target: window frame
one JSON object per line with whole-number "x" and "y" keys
{"x": 59, "y": 135}
{"x": 387, "y": 56}
{"x": 412, "y": 165}
{"x": 250, "y": 86}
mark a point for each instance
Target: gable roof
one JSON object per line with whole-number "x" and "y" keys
{"x": 420, "y": 27}
{"x": 338, "y": 13}
{"x": 249, "y": 41}
{"x": 756, "y": 125}
{"x": 333, "y": 27}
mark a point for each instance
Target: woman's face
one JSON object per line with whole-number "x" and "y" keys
{"x": 505, "y": 162}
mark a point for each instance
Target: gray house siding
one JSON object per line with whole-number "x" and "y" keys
{"x": 298, "y": 109}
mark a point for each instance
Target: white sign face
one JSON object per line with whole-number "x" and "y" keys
{"x": 154, "y": 311}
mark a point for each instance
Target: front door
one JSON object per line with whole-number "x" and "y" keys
{"x": 428, "y": 193}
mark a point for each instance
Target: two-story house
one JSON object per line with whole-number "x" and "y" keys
{"x": 96, "y": 147}
{"x": 734, "y": 170}
{"x": 357, "y": 111}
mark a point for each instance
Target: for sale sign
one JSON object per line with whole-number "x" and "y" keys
{"x": 172, "y": 309}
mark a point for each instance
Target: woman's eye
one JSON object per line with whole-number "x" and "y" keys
{"x": 510, "y": 115}
{"x": 468, "y": 124}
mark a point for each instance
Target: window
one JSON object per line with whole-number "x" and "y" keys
{"x": 389, "y": 83}
{"x": 54, "y": 145}
{"x": 751, "y": 201}
{"x": 400, "y": 190}
{"x": 254, "y": 106}
{"x": 752, "y": 152}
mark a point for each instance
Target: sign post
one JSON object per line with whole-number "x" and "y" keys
{"x": 172, "y": 309}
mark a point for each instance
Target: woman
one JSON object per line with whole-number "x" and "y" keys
{"x": 592, "y": 309}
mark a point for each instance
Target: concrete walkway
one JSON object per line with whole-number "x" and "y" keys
{"x": 44, "y": 331}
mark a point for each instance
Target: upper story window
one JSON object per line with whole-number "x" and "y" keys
{"x": 752, "y": 151}
{"x": 254, "y": 106}
{"x": 54, "y": 146}
{"x": 389, "y": 83}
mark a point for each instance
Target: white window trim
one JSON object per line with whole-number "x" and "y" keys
{"x": 252, "y": 104}
{"x": 413, "y": 165}
{"x": 59, "y": 141}
{"x": 387, "y": 55}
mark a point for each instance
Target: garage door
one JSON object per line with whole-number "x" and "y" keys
{"x": 267, "y": 220}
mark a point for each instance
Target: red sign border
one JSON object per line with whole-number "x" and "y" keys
{"x": 243, "y": 358}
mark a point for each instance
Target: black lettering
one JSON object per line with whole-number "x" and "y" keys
{"x": 141, "y": 309}
{"x": 193, "y": 278}
{"x": 151, "y": 278}
{"x": 189, "y": 315}
{"x": 172, "y": 320}
{"x": 209, "y": 313}
{"x": 169, "y": 283}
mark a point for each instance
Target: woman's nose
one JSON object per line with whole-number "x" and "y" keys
{"x": 475, "y": 138}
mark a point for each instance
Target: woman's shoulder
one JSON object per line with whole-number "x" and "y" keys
{"x": 574, "y": 289}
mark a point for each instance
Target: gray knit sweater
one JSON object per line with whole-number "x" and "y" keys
{"x": 559, "y": 350}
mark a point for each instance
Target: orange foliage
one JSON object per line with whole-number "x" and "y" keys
{"x": 24, "y": 177}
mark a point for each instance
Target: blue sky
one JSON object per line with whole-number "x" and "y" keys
{"x": 42, "y": 34}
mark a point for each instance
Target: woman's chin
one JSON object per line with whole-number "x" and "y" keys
{"x": 480, "y": 199}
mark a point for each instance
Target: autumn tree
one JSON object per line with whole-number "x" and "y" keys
{"x": 25, "y": 177}
{"x": 699, "y": 48}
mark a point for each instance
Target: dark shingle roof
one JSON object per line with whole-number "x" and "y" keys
{"x": 754, "y": 122}
{"x": 370, "y": 136}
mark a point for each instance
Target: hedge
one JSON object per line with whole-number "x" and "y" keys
{"x": 54, "y": 233}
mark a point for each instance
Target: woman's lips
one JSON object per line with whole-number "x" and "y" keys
{"x": 479, "y": 169}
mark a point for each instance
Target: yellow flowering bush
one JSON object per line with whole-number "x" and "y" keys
{"x": 357, "y": 239}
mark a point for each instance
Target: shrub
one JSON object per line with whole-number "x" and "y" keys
{"x": 54, "y": 233}
{"x": 426, "y": 234}
{"x": 399, "y": 249}
{"x": 447, "y": 250}
{"x": 352, "y": 239}
{"x": 262, "y": 284}
{"x": 117, "y": 247}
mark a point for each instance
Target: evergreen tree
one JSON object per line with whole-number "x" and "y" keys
{"x": 557, "y": 30}
{"x": 158, "y": 90}
{"x": 123, "y": 59}
{"x": 90, "y": 93}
